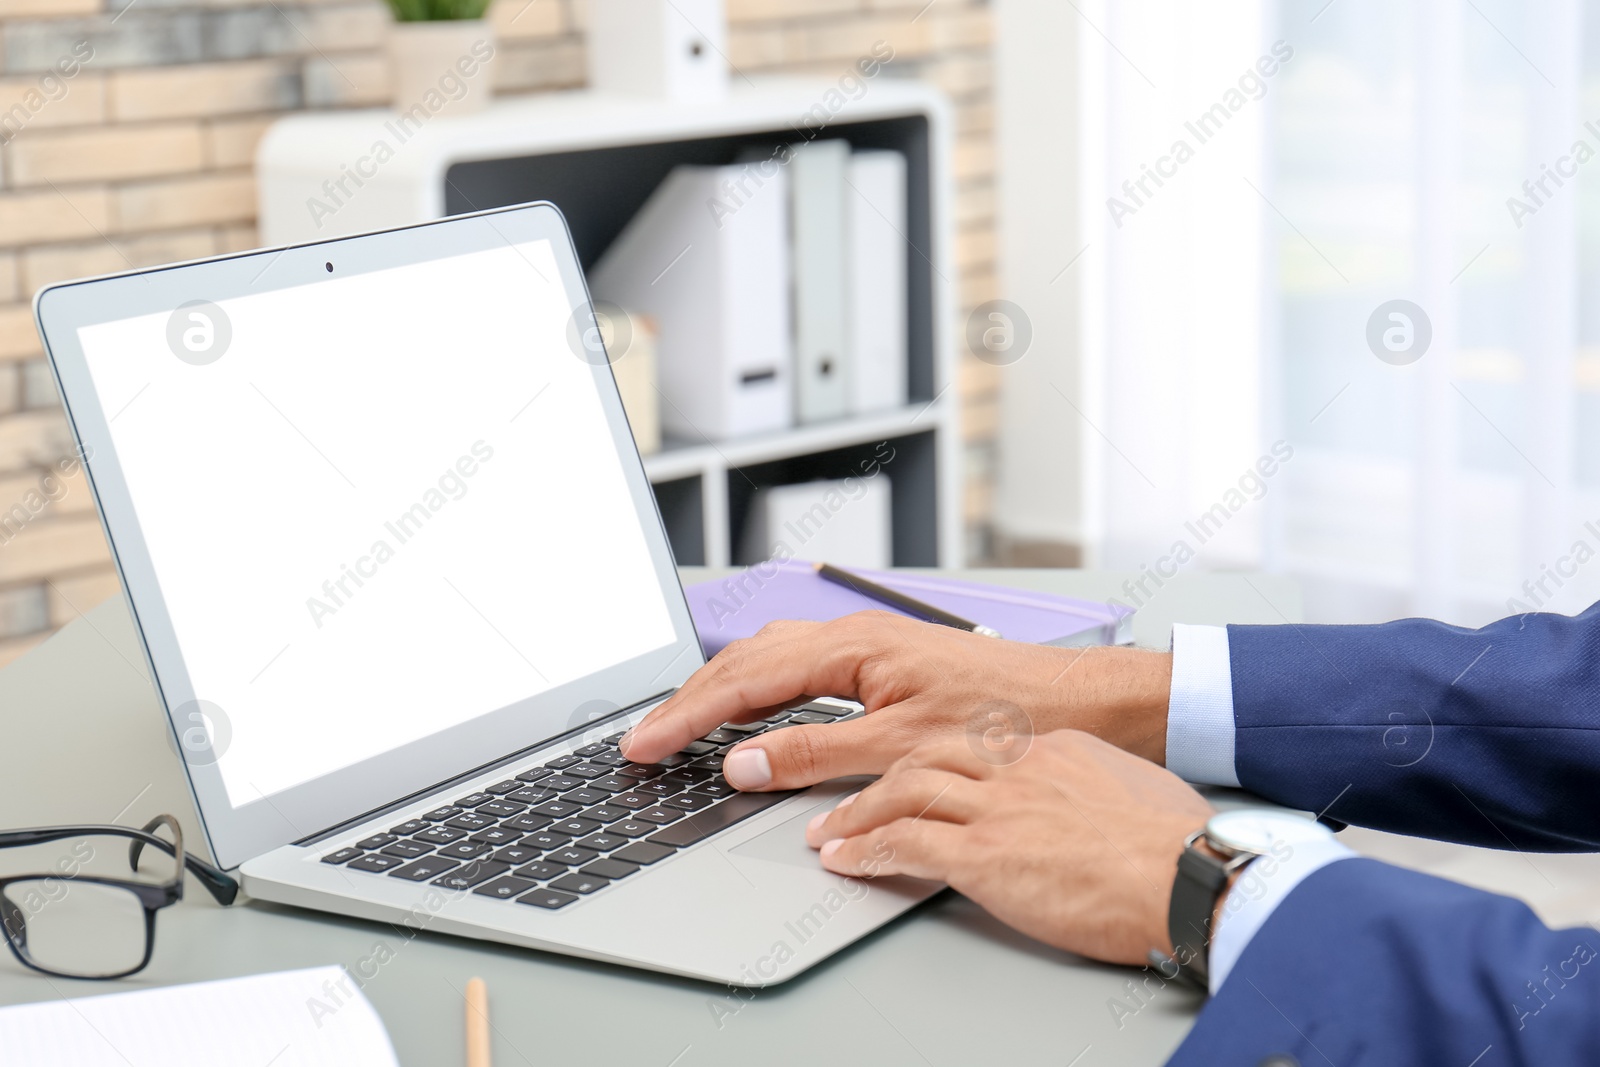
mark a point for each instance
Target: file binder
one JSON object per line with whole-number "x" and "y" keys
{"x": 705, "y": 258}
{"x": 876, "y": 301}
{"x": 818, "y": 232}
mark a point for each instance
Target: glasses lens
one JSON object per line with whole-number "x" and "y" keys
{"x": 76, "y": 928}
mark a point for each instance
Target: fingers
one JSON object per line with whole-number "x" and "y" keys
{"x": 920, "y": 848}
{"x": 782, "y": 665}
{"x": 916, "y": 794}
{"x": 797, "y": 756}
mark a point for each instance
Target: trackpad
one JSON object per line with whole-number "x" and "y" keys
{"x": 786, "y": 842}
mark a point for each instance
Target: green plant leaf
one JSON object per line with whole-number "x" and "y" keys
{"x": 437, "y": 10}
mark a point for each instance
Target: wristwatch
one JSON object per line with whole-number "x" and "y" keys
{"x": 1210, "y": 857}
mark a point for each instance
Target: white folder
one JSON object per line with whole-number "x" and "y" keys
{"x": 876, "y": 309}
{"x": 818, "y": 231}
{"x": 847, "y": 522}
{"x": 707, "y": 258}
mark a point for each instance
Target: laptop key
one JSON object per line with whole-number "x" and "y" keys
{"x": 527, "y": 824}
{"x": 609, "y": 869}
{"x": 344, "y": 855}
{"x": 601, "y": 842}
{"x": 563, "y": 762}
{"x": 547, "y": 898}
{"x": 687, "y": 776}
{"x": 632, "y": 828}
{"x": 471, "y": 820}
{"x": 677, "y": 759}
{"x": 723, "y": 737}
{"x": 703, "y": 824}
{"x": 605, "y": 813}
{"x": 501, "y": 788}
{"x": 659, "y": 816}
{"x": 428, "y": 867}
{"x": 530, "y": 794}
{"x": 579, "y": 883}
{"x": 827, "y": 710}
{"x": 585, "y": 796}
{"x": 632, "y": 801}
{"x": 496, "y": 835}
{"x": 659, "y": 788}
{"x": 709, "y": 763}
{"x": 406, "y": 850}
{"x": 640, "y": 771}
{"x": 643, "y": 852}
{"x": 541, "y": 870}
{"x": 533, "y": 774}
{"x": 608, "y": 759}
{"x": 572, "y": 856}
{"x": 743, "y": 729}
{"x": 717, "y": 787}
{"x": 463, "y": 850}
{"x": 501, "y": 809}
{"x": 588, "y": 771}
{"x": 440, "y": 835}
{"x": 575, "y": 827}
{"x": 612, "y": 739}
{"x": 409, "y": 827}
{"x": 689, "y": 802}
{"x": 504, "y": 888}
{"x": 472, "y": 800}
{"x": 808, "y": 718}
{"x": 560, "y": 782}
{"x": 472, "y": 874}
{"x": 516, "y": 854}
{"x": 377, "y": 841}
{"x": 613, "y": 783}
{"x": 441, "y": 814}
{"x": 376, "y": 862}
{"x": 591, "y": 750}
{"x": 699, "y": 748}
{"x": 556, "y": 809}
{"x": 545, "y": 840}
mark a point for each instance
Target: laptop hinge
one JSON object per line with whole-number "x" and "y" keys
{"x": 409, "y": 798}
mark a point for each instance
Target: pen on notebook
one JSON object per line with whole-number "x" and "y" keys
{"x": 921, "y": 609}
{"x": 477, "y": 1023}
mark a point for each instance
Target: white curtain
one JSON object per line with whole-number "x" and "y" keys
{"x": 1404, "y": 171}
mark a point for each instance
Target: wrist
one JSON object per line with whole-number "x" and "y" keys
{"x": 1122, "y": 697}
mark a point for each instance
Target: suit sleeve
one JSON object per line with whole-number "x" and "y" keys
{"x": 1365, "y": 965}
{"x": 1487, "y": 737}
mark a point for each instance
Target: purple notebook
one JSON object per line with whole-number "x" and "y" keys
{"x": 729, "y": 608}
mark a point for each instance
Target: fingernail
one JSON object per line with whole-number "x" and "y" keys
{"x": 846, "y": 802}
{"x": 815, "y": 824}
{"x": 747, "y": 768}
{"x": 830, "y": 848}
{"x": 624, "y": 741}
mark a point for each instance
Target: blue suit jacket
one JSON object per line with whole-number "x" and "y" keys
{"x": 1489, "y": 737}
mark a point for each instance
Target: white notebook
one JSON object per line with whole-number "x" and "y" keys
{"x": 308, "y": 1018}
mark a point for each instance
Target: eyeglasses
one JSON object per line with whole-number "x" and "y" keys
{"x": 73, "y": 924}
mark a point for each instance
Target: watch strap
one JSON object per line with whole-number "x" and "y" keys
{"x": 1200, "y": 882}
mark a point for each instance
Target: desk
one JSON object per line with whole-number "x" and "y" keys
{"x": 943, "y": 985}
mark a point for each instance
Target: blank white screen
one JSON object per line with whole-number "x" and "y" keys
{"x": 445, "y": 390}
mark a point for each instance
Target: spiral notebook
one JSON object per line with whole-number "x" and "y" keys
{"x": 727, "y": 609}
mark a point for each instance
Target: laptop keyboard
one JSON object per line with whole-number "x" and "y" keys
{"x": 553, "y": 834}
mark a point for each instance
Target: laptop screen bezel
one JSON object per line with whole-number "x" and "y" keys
{"x": 238, "y": 833}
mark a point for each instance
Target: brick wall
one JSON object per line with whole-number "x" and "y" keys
{"x": 143, "y": 156}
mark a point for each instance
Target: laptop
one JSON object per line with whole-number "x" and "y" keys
{"x": 402, "y": 584}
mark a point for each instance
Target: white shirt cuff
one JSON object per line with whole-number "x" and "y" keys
{"x": 1263, "y": 884}
{"x": 1200, "y": 728}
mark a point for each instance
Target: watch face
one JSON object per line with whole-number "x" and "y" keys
{"x": 1257, "y": 829}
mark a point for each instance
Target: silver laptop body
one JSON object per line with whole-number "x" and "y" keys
{"x": 395, "y": 562}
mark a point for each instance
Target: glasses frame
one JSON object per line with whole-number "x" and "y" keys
{"x": 152, "y": 896}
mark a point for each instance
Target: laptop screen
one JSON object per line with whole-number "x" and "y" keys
{"x": 377, "y": 507}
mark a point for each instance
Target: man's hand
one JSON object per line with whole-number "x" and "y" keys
{"x": 1076, "y": 843}
{"x": 918, "y": 682}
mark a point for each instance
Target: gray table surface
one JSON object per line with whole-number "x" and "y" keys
{"x": 945, "y": 984}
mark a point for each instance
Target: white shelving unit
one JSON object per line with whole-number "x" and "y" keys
{"x": 598, "y": 157}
